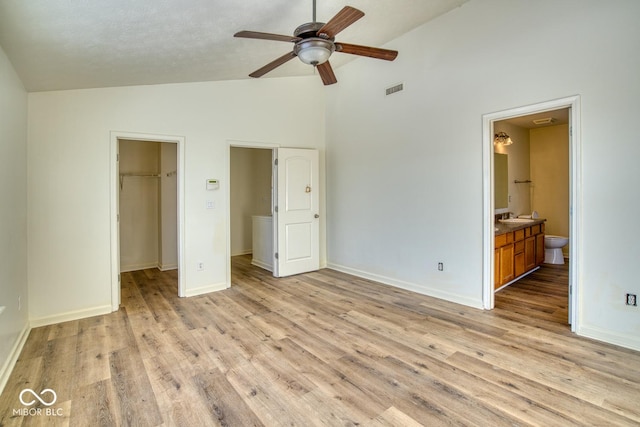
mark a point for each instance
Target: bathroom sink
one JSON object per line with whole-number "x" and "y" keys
{"x": 515, "y": 220}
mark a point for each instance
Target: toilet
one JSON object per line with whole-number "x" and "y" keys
{"x": 553, "y": 249}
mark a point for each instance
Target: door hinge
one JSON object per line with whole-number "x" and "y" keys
{"x": 275, "y": 162}
{"x": 118, "y": 218}
{"x": 276, "y": 255}
{"x": 275, "y": 209}
{"x": 118, "y": 278}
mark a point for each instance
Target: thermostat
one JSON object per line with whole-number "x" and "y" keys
{"x": 213, "y": 184}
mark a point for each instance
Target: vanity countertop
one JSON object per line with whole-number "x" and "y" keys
{"x": 502, "y": 228}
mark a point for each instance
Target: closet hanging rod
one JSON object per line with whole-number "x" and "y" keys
{"x": 140, "y": 175}
{"x": 526, "y": 181}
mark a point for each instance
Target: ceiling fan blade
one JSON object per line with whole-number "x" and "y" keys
{"x": 272, "y": 65}
{"x": 266, "y": 36}
{"x": 372, "y": 52}
{"x": 326, "y": 73}
{"x": 347, "y": 16}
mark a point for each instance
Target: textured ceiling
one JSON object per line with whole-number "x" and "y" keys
{"x": 65, "y": 44}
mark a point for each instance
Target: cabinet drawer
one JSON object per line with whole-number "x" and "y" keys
{"x": 535, "y": 229}
{"x": 519, "y": 247}
{"x": 503, "y": 239}
{"x": 518, "y": 235}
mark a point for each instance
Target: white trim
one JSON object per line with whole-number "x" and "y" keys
{"x": 516, "y": 279}
{"x": 113, "y": 184}
{"x": 71, "y": 315}
{"x": 206, "y": 289}
{"x": 244, "y": 252}
{"x": 413, "y": 287}
{"x": 10, "y": 363}
{"x": 136, "y": 267}
{"x": 242, "y": 144}
{"x": 575, "y": 208}
{"x": 623, "y": 340}
{"x": 262, "y": 265}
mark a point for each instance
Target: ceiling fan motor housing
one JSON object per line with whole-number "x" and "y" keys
{"x": 310, "y": 29}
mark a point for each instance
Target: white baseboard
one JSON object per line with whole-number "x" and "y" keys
{"x": 71, "y": 315}
{"x": 420, "y": 289}
{"x": 244, "y": 252}
{"x": 205, "y": 289}
{"x": 262, "y": 264}
{"x": 167, "y": 267}
{"x": 623, "y": 340}
{"x": 127, "y": 268}
{"x": 10, "y": 363}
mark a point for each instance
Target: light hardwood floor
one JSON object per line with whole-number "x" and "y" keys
{"x": 323, "y": 348}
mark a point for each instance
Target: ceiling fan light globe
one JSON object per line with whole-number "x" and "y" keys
{"x": 314, "y": 51}
{"x": 314, "y": 55}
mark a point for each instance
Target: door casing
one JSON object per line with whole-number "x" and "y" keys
{"x": 575, "y": 208}
{"x": 115, "y": 192}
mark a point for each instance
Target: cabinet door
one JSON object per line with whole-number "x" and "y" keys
{"x": 518, "y": 264}
{"x": 506, "y": 264}
{"x": 539, "y": 249}
{"x": 496, "y": 269}
{"x": 530, "y": 253}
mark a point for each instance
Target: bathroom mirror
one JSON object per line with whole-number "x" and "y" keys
{"x": 500, "y": 181}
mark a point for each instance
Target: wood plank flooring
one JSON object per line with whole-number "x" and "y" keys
{"x": 323, "y": 349}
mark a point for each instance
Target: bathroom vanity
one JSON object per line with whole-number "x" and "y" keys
{"x": 519, "y": 249}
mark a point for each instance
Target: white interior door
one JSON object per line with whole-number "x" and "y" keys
{"x": 297, "y": 229}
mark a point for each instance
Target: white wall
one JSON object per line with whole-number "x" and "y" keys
{"x": 69, "y": 219}
{"x": 404, "y": 172}
{"x": 13, "y": 214}
{"x": 168, "y": 206}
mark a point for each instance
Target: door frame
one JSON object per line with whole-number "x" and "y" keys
{"x": 575, "y": 198}
{"x": 242, "y": 144}
{"x": 115, "y": 136}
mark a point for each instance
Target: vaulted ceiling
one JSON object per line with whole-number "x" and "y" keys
{"x": 56, "y": 45}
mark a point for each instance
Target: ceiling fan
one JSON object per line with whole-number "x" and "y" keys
{"x": 315, "y": 42}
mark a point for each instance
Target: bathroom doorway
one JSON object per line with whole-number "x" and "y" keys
{"x": 559, "y": 206}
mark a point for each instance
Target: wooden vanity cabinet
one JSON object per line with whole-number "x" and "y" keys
{"x": 517, "y": 252}
{"x": 504, "y": 262}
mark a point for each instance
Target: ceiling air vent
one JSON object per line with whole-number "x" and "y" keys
{"x": 545, "y": 121}
{"x": 394, "y": 89}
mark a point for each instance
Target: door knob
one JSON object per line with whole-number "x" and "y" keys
{"x": 316, "y": 216}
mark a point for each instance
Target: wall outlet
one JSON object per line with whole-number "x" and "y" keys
{"x": 200, "y": 266}
{"x": 632, "y": 299}
{"x": 19, "y": 302}
{"x": 2, "y": 307}
{"x": 440, "y": 266}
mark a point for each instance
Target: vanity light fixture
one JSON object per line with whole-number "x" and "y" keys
{"x": 501, "y": 138}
